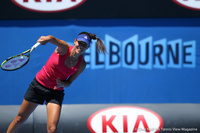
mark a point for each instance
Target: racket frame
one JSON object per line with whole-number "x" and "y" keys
{"x": 21, "y": 54}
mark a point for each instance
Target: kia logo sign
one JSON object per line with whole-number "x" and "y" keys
{"x": 48, "y": 6}
{"x": 191, "y": 4}
{"x": 125, "y": 119}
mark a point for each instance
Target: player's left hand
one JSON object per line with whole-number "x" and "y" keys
{"x": 59, "y": 84}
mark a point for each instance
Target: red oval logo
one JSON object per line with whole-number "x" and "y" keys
{"x": 191, "y": 4}
{"x": 125, "y": 119}
{"x": 48, "y": 6}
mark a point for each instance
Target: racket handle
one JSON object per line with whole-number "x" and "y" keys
{"x": 35, "y": 46}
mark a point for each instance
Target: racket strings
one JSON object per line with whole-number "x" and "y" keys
{"x": 18, "y": 61}
{"x": 15, "y": 62}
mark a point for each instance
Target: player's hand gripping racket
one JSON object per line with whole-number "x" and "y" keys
{"x": 18, "y": 61}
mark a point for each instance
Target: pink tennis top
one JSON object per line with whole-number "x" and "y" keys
{"x": 55, "y": 68}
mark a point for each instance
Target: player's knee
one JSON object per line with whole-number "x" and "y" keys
{"x": 20, "y": 119}
{"x": 52, "y": 128}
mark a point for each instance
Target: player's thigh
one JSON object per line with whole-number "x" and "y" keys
{"x": 53, "y": 113}
{"x": 26, "y": 109}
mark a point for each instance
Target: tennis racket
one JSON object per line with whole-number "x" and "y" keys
{"x": 18, "y": 61}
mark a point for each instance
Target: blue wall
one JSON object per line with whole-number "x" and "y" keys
{"x": 149, "y": 61}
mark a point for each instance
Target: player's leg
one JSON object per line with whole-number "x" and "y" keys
{"x": 25, "y": 110}
{"x": 53, "y": 115}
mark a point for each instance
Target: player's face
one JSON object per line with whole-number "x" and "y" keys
{"x": 80, "y": 46}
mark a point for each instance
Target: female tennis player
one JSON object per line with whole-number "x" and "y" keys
{"x": 62, "y": 68}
